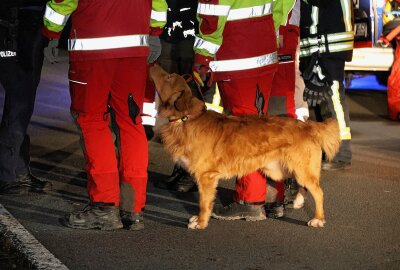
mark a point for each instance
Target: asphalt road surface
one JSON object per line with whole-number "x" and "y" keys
{"x": 361, "y": 204}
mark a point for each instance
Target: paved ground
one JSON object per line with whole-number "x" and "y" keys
{"x": 362, "y": 208}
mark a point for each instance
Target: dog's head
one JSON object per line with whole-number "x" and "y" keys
{"x": 175, "y": 95}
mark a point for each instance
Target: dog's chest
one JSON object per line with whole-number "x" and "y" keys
{"x": 184, "y": 161}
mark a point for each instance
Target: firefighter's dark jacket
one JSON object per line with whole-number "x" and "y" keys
{"x": 326, "y": 27}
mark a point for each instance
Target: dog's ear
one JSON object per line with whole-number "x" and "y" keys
{"x": 183, "y": 103}
{"x": 180, "y": 100}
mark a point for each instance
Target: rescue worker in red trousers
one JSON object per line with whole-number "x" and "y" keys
{"x": 237, "y": 41}
{"x": 108, "y": 50}
{"x": 326, "y": 42}
{"x": 282, "y": 99}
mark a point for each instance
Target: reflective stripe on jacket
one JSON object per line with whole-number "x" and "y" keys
{"x": 106, "y": 28}
{"x": 319, "y": 32}
{"x": 238, "y": 38}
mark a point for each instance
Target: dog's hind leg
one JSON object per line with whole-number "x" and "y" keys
{"x": 311, "y": 183}
{"x": 207, "y": 189}
{"x": 318, "y": 196}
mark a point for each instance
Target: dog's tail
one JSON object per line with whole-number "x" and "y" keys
{"x": 328, "y": 135}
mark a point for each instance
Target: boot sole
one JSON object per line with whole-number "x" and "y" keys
{"x": 136, "y": 227}
{"x": 94, "y": 226}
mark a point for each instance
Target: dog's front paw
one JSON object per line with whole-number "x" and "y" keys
{"x": 195, "y": 224}
{"x": 316, "y": 223}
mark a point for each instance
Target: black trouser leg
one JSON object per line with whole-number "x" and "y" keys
{"x": 20, "y": 80}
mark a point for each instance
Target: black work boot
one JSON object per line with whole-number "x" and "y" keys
{"x": 291, "y": 189}
{"x": 185, "y": 183}
{"x": 102, "y": 216}
{"x": 132, "y": 221}
{"x": 236, "y": 211}
{"x": 169, "y": 182}
{"x": 33, "y": 183}
{"x": 275, "y": 210}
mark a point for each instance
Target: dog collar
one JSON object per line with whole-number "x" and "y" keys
{"x": 179, "y": 120}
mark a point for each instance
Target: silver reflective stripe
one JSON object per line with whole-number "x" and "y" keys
{"x": 78, "y": 82}
{"x": 346, "y": 9}
{"x": 249, "y": 12}
{"x": 212, "y": 10}
{"x": 160, "y": 16}
{"x": 338, "y": 47}
{"x": 206, "y": 45}
{"x": 345, "y": 133}
{"x": 103, "y": 43}
{"x": 244, "y": 63}
{"x": 55, "y": 17}
{"x": 295, "y": 17}
{"x": 314, "y": 17}
{"x": 331, "y": 38}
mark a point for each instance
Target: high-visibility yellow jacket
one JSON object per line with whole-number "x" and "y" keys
{"x": 106, "y": 28}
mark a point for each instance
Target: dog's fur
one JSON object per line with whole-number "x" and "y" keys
{"x": 215, "y": 146}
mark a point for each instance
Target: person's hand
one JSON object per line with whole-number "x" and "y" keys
{"x": 155, "y": 49}
{"x": 51, "y": 51}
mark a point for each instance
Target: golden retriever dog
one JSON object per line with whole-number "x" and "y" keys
{"x": 214, "y": 146}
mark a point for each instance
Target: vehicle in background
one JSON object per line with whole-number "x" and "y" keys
{"x": 368, "y": 56}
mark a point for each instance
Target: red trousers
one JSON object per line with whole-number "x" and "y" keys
{"x": 285, "y": 77}
{"x": 393, "y": 91}
{"x": 238, "y": 96}
{"x": 118, "y": 178}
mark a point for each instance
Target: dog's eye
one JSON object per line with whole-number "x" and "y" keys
{"x": 167, "y": 104}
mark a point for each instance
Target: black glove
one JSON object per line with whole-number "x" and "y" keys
{"x": 317, "y": 88}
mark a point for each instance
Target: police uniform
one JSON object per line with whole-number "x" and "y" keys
{"x": 21, "y": 60}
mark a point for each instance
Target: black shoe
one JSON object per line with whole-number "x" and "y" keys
{"x": 291, "y": 190}
{"x": 13, "y": 189}
{"x": 275, "y": 210}
{"x": 236, "y": 211}
{"x": 335, "y": 165}
{"x": 169, "y": 182}
{"x": 32, "y": 183}
{"x": 185, "y": 183}
{"x": 132, "y": 221}
{"x": 102, "y": 216}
